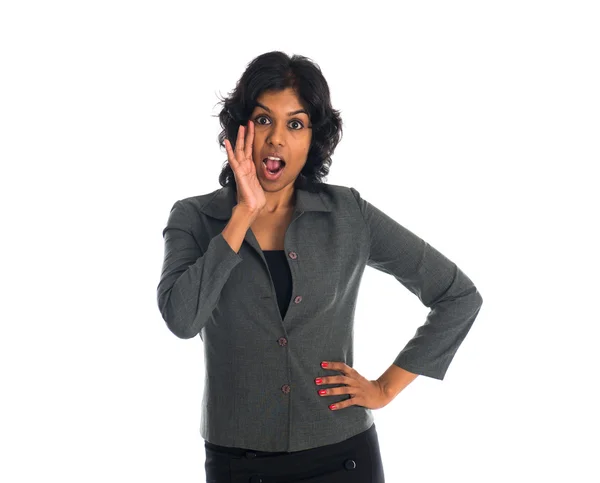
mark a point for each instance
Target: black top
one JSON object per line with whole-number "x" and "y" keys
{"x": 282, "y": 277}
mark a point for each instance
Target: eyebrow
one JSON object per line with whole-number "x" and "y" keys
{"x": 289, "y": 113}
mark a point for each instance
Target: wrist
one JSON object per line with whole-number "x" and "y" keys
{"x": 244, "y": 212}
{"x": 394, "y": 380}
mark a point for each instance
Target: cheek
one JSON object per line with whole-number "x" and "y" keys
{"x": 303, "y": 145}
{"x": 307, "y": 143}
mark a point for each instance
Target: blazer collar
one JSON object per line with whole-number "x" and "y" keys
{"x": 221, "y": 204}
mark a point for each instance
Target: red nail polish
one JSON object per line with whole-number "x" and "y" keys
{"x": 318, "y": 380}
{"x": 324, "y": 364}
{"x": 322, "y": 392}
{"x": 332, "y": 406}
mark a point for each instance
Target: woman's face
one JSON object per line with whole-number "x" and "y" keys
{"x": 282, "y": 126}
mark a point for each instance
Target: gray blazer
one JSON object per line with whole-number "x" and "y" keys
{"x": 259, "y": 389}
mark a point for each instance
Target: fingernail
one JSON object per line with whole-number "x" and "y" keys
{"x": 332, "y": 406}
{"x": 318, "y": 380}
{"x": 324, "y": 364}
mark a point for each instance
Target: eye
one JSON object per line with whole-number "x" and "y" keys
{"x": 295, "y": 121}
{"x": 298, "y": 122}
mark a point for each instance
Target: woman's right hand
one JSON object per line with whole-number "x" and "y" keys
{"x": 250, "y": 193}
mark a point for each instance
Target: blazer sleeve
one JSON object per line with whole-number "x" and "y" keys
{"x": 192, "y": 279}
{"x": 440, "y": 285}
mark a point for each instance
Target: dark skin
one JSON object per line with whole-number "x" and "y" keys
{"x": 275, "y": 125}
{"x": 278, "y": 126}
{"x": 363, "y": 392}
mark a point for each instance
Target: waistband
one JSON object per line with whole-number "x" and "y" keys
{"x": 236, "y": 451}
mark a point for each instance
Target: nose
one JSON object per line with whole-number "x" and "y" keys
{"x": 276, "y": 134}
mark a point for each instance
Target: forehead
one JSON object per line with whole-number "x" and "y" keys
{"x": 284, "y": 101}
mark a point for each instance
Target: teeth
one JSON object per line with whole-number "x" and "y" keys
{"x": 273, "y": 158}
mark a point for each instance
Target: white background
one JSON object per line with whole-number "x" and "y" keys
{"x": 474, "y": 124}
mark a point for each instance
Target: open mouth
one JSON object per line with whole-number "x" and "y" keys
{"x": 273, "y": 166}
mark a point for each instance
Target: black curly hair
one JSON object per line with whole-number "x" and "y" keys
{"x": 276, "y": 71}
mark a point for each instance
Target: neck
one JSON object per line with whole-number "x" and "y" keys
{"x": 280, "y": 201}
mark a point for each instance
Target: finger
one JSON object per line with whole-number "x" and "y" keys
{"x": 239, "y": 145}
{"x": 249, "y": 140}
{"x": 230, "y": 155}
{"x": 351, "y": 401}
{"x": 342, "y": 404}
{"x": 349, "y": 370}
{"x": 338, "y": 391}
{"x": 339, "y": 366}
{"x": 337, "y": 380}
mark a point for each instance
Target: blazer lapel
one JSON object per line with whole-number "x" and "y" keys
{"x": 221, "y": 205}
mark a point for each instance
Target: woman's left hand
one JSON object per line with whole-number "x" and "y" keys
{"x": 369, "y": 394}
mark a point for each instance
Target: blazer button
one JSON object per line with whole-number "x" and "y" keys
{"x": 286, "y": 388}
{"x": 293, "y": 255}
{"x": 298, "y": 299}
{"x": 350, "y": 464}
{"x": 282, "y": 341}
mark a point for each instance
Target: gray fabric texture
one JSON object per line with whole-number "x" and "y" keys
{"x": 259, "y": 389}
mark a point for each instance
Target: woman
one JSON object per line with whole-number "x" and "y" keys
{"x": 271, "y": 309}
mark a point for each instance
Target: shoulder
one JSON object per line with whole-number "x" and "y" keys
{"x": 344, "y": 198}
{"x": 336, "y": 192}
{"x": 214, "y": 204}
{"x": 201, "y": 200}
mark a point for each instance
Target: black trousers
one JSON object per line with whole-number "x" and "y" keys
{"x": 354, "y": 460}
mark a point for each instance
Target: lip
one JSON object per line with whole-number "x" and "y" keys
{"x": 275, "y": 154}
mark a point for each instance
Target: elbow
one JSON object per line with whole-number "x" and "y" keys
{"x": 178, "y": 322}
{"x": 179, "y": 325}
{"x": 474, "y": 299}
{"x": 475, "y": 302}
{"x": 180, "y": 330}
